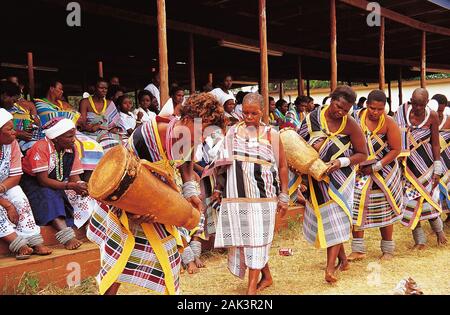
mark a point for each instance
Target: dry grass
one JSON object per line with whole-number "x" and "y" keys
{"x": 303, "y": 272}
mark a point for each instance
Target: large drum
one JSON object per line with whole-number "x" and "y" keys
{"x": 122, "y": 180}
{"x": 302, "y": 157}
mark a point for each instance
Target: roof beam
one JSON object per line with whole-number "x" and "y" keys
{"x": 139, "y": 18}
{"x": 400, "y": 18}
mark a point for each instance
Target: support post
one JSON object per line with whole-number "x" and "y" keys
{"x": 191, "y": 63}
{"x": 263, "y": 59}
{"x": 31, "y": 84}
{"x": 162, "y": 50}
{"x": 333, "y": 45}
{"x": 423, "y": 61}
{"x": 381, "y": 80}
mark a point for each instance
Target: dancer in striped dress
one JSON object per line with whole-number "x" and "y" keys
{"x": 252, "y": 173}
{"x": 144, "y": 252}
{"x": 422, "y": 166}
{"x": 444, "y": 141}
{"x": 340, "y": 142}
{"x": 378, "y": 201}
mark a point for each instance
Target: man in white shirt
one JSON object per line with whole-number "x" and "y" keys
{"x": 154, "y": 87}
{"x": 224, "y": 89}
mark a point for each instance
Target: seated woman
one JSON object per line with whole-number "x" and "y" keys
{"x": 17, "y": 225}
{"x": 52, "y": 183}
{"x": 127, "y": 121}
{"x": 51, "y": 106}
{"x": 148, "y": 107}
{"x": 26, "y": 124}
{"x": 99, "y": 118}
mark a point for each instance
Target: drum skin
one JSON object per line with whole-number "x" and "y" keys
{"x": 122, "y": 180}
{"x": 302, "y": 157}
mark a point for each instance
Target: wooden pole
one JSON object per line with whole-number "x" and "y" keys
{"x": 281, "y": 90}
{"x": 263, "y": 59}
{"x": 333, "y": 45}
{"x": 100, "y": 69}
{"x": 400, "y": 87}
{"x": 390, "y": 93}
{"x": 381, "y": 80}
{"x": 31, "y": 85}
{"x": 192, "y": 62}
{"x": 423, "y": 61}
{"x": 162, "y": 49}
{"x": 308, "y": 88}
{"x": 210, "y": 78}
{"x": 300, "y": 83}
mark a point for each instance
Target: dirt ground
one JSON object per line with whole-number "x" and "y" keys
{"x": 303, "y": 273}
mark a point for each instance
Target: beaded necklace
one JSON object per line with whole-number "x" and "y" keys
{"x": 59, "y": 166}
{"x": 427, "y": 115}
{"x": 94, "y": 108}
{"x": 324, "y": 124}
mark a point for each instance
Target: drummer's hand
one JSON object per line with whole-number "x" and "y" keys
{"x": 333, "y": 166}
{"x": 300, "y": 198}
{"x": 366, "y": 170}
{"x": 196, "y": 203}
{"x": 139, "y": 219}
{"x": 303, "y": 188}
{"x": 282, "y": 208}
{"x": 216, "y": 197}
{"x": 436, "y": 179}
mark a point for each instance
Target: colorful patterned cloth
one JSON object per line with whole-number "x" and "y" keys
{"x": 328, "y": 214}
{"x": 378, "y": 198}
{"x": 417, "y": 160}
{"x": 145, "y": 255}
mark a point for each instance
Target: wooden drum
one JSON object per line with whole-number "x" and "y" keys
{"x": 302, "y": 157}
{"x": 122, "y": 180}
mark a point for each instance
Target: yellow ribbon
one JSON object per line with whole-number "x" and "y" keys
{"x": 113, "y": 274}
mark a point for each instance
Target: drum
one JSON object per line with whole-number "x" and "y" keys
{"x": 302, "y": 157}
{"x": 122, "y": 180}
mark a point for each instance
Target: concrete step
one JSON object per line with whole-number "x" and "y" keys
{"x": 48, "y": 233}
{"x": 60, "y": 268}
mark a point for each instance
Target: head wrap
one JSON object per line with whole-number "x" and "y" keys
{"x": 58, "y": 126}
{"x": 5, "y": 116}
{"x": 225, "y": 98}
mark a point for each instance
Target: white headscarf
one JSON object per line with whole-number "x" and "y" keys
{"x": 59, "y": 128}
{"x": 5, "y": 116}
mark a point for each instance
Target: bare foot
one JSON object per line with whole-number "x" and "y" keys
{"x": 41, "y": 250}
{"x": 192, "y": 268}
{"x": 73, "y": 244}
{"x": 441, "y": 239}
{"x": 343, "y": 265}
{"x": 386, "y": 256}
{"x": 330, "y": 277}
{"x": 24, "y": 252}
{"x": 264, "y": 283}
{"x": 356, "y": 256}
{"x": 251, "y": 290}
{"x": 199, "y": 263}
{"x": 420, "y": 246}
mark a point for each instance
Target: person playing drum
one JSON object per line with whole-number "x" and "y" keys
{"x": 137, "y": 249}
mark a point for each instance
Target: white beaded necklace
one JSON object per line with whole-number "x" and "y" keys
{"x": 427, "y": 115}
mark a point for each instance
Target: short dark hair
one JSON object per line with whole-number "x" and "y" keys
{"x": 240, "y": 97}
{"x": 143, "y": 93}
{"x": 301, "y": 99}
{"x": 345, "y": 92}
{"x": 9, "y": 88}
{"x": 100, "y": 79}
{"x": 271, "y": 99}
{"x": 120, "y": 100}
{"x": 440, "y": 98}
{"x": 174, "y": 89}
{"x": 280, "y": 103}
{"x": 376, "y": 96}
{"x": 113, "y": 89}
